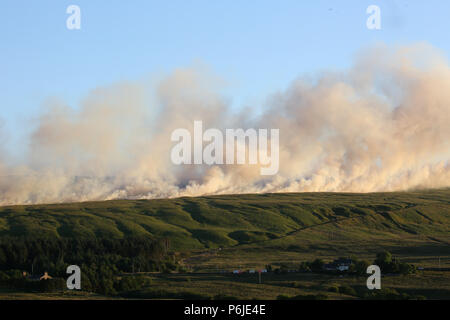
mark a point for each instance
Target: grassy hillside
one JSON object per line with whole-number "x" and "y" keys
{"x": 304, "y": 220}
{"x": 253, "y": 231}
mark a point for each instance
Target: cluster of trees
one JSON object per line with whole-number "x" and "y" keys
{"x": 105, "y": 284}
{"x": 390, "y": 294}
{"x": 358, "y": 267}
{"x": 15, "y": 279}
{"x": 54, "y": 254}
{"x": 100, "y": 260}
{"x": 343, "y": 289}
{"x": 389, "y": 265}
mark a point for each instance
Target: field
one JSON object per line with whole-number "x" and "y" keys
{"x": 432, "y": 285}
{"x": 429, "y": 284}
{"x": 217, "y": 234}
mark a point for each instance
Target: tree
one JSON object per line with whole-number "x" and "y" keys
{"x": 384, "y": 261}
{"x": 317, "y": 265}
{"x": 406, "y": 268}
{"x": 305, "y": 266}
{"x": 359, "y": 267}
{"x": 384, "y": 257}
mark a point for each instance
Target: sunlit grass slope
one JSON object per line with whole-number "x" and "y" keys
{"x": 214, "y": 221}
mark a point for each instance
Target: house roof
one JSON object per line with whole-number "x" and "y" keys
{"x": 40, "y": 276}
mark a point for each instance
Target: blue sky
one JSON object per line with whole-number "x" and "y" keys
{"x": 259, "y": 46}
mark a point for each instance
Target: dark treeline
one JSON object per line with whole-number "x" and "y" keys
{"x": 54, "y": 254}
{"x": 384, "y": 260}
{"x": 100, "y": 260}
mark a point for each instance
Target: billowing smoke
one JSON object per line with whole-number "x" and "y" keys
{"x": 383, "y": 125}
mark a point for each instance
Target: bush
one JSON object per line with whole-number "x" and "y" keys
{"x": 347, "y": 290}
{"x": 305, "y": 267}
{"x": 303, "y": 297}
{"x": 3, "y": 276}
{"x": 388, "y": 265}
{"x": 333, "y": 289}
{"x": 317, "y": 265}
{"x": 406, "y": 268}
{"x": 359, "y": 267}
{"x": 384, "y": 294}
{"x": 225, "y": 297}
{"x": 128, "y": 283}
{"x": 310, "y": 297}
{"x": 52, "y": 285}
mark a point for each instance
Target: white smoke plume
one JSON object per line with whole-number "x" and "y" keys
{"x": 383, "y": 125}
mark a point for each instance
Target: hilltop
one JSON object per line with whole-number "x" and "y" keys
{"x": 301, "y": 219}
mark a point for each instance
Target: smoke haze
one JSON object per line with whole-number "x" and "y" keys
{"x": 382, "y": 125}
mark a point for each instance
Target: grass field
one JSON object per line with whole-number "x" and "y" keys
{"x": 218, "y": 233}
{"x": 8, "y": 294}
{"x": 433, "y": 285}
{"x": 430, "y": 284}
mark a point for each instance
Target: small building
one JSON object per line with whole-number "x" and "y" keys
{"x": 39, "y": 277}
{"x": 329, "y": 267}
{"x": 341, "y": 264}
{"x": 45, "y": 276}
{"x": 343, "y": 268}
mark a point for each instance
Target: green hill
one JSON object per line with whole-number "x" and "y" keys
{"x": 301, "y": 220}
